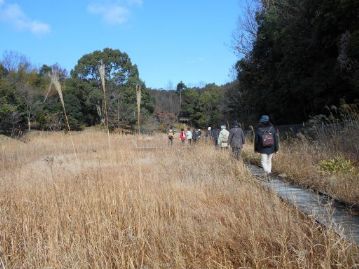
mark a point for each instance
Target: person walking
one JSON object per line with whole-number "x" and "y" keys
{"x": 199, "y": 134}
{"x": 223, "y": 138}
{"x": 236, "y": 139}
{"x": 189, "y": 136}
{"x": 215, "y": 134}
{"x": 182, "y": 136}
{"x": 171, "y": 135}
{"x": 266, "y": 142}
{"x": 208, "y": 134}
{"x": 196, "y": 135}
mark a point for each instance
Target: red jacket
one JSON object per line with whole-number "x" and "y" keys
{"x": 182, "y": 135}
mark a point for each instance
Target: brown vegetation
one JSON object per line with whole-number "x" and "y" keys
{"x": 141, "y": 204}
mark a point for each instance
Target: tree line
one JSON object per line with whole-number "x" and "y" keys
{"x": 27, "y": 102}
{"x": 210, "y": 105}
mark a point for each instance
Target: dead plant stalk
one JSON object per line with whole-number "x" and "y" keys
{"x": 102, "y": 71}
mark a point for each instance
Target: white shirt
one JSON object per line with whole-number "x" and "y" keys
{"x": 189, "y": 135}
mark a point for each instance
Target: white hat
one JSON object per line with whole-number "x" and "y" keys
{"x": 223, "y": 126}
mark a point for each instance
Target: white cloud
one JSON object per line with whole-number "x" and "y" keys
{"x": 114, "y": 12}
{"x": 111, "y": 13}
{"x": 13, "y": 14}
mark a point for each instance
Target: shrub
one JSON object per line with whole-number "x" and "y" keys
{"x": 336, "y": 165}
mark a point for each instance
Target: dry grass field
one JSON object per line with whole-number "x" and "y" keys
{"x": 142, "y": 204}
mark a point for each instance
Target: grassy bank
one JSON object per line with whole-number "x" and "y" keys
{"x": 128, "y": 206}
{"x": 328, "y": 163}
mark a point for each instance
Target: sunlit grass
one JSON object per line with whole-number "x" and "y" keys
{"x": 154, "y": 207}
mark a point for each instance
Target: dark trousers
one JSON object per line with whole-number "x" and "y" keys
{"x": 236, "y": 153}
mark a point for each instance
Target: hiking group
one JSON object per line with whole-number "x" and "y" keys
{"x": 189, "y": 136}
{"x": 266, "y": 139}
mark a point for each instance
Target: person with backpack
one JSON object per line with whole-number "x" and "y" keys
{"x": 266, "y": 142}
{"x": 236, "y": 139}
{"x": 223, "y": 138}
{"x": 189, "y": 136}
{"x": 199, "y": 134}
{"x": 182, "y": 136}
{"x": 171, "y": 135}
{"x": 196, "y": 135}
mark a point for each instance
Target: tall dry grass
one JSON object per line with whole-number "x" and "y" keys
{"x": 141, "y": 204}
{"x": 300, "y": 160}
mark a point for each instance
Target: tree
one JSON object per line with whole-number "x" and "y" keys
{"x": 3, "y": 71}
{"x": 165, "y": 101}
{"x": 231, "y": 106}
{"x": 121, "y": 79}
{"x": 29, "y": 100}
{"x": 203, "y": 106}
{"x": 119, "y": 69}
{"x": 21, "y": 91}
{"x": 246, "y": 32}
{"x": 10, "y": 117}
{"x": 14, "y": 61}
{"x": 179, "y": 89}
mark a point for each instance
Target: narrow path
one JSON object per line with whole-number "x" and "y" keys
{"x": 326, "y": 211}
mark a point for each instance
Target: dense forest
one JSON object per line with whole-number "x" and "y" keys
{"x": 298, "y": 59}
{"x": 304, "y": 58}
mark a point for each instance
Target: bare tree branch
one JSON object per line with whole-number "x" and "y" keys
{"x": 246, "y": 33}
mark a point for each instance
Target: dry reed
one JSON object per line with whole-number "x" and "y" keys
{"x": 102, "y": 71}
{"x": 138, "y": 99}
{"x": 55, "y": 82}
{"x": 156, "y": 207}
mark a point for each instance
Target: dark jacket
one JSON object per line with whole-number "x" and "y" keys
{"x": 236, "y": 137}
{"x": 258, "y": 147}
{"x": 196, "y": 135}
{"x": 215, "y": 134}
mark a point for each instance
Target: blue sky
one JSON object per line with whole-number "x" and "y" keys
{"x": 169, "y": 40}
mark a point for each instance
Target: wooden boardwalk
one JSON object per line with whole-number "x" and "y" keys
{"x": 322, "y": 208}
